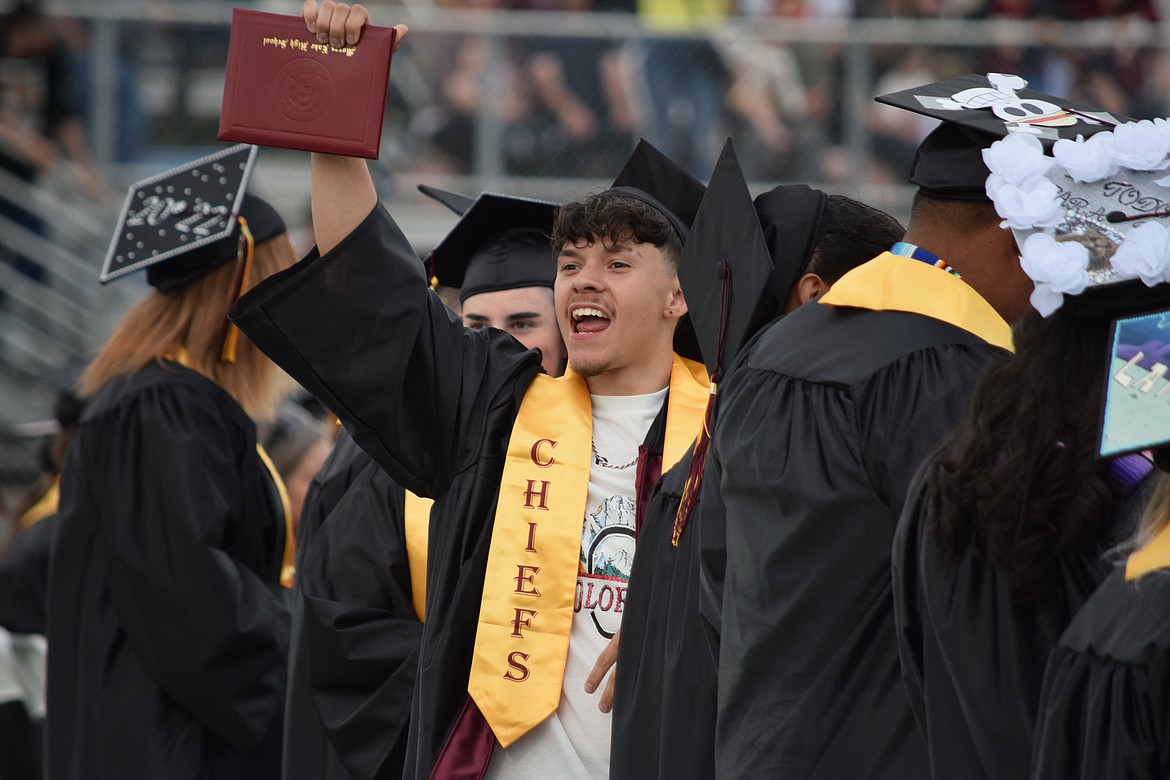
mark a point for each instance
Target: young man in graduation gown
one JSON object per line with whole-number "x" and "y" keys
{"x": 536, "y": 480}
{"x": 784, "y": 250}
{"x": 822, "y": 425}
{"x": 358, "y": 604}
{"x": 167, "y": 621}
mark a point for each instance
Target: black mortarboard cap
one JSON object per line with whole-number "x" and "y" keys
{"x": 656, "y": 180}
{"x": 976, "y": 111}
{"x": 182, "y": 224}
{"x": 500, "y": 243}
{"x": 452, "y": 200}
{"x": 727, "y": 247}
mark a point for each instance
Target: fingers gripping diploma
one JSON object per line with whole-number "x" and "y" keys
{"x": 605, "y": 662}
{"x": 340, "y": 24}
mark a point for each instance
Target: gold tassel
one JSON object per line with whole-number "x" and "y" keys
{"x": 247, "y": 248}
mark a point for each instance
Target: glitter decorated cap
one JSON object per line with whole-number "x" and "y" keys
{"x": 184, "y": 223}
{"x": 975, "y": 111}
{"x": 1093, "y": 220}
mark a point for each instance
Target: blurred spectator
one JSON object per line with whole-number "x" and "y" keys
{"x": 685, "y": 79}
{"x": 38, "y": 117}
{"x": 768, "y": 108}
{"x": 298, "y": 444}
{"x": 896, "y": 133}
{"x": 583, "y": 121}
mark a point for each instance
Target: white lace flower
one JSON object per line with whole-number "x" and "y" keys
{"x": 1056, "y": 267}
{"x": 1141, "y": 146}
{"x": 1018, "y": 160}
{"x": 1144, "y": 254}
{"x": 1089, "y": 159}
{"x": 1022, "y": 209}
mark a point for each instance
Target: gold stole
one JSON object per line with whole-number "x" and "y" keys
{"x": 417, "y": 522}
{"x": 288, "y": 559}
{"x": 526, "y": 612}
{"x": 1153, "y": 555}
{"x": 46, "y": 505}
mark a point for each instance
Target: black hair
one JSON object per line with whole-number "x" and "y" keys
{"x": 613, "y": 219}
{"x": 1020, "y": 479}
{"x": 961, "y": 217}
{"x": 851, "y": 233}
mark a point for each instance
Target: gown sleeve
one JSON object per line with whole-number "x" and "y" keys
{"x": 207, "y": 628}
{"x": 360, "y": 330}
{"x": 24, "y": 579}
{"x": 359, "y": 633}
{"x": 1105, "y": 702}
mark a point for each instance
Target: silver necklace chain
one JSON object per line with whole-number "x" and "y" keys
{"x": 602, "y": 461}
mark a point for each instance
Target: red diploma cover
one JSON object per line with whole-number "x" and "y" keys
{"x": 282, "y": 88}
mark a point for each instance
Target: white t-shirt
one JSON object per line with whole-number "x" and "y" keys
{"x": 573, "y": 743}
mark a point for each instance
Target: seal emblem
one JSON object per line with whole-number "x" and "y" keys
{"x": 302, "y": 89}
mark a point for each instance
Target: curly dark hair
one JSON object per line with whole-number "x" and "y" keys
{"x": 614, "y": 219}
{"x": 851, "y": 233}
{"x": 1020, "y": 478}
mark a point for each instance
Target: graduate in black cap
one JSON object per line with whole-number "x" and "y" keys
{"x": 784, "y": 250}
{"x": 359, "y": 599}
{"x": 535, "y": 479}
{"x": 166, "y": 617}
{"x": 821, "y": 428}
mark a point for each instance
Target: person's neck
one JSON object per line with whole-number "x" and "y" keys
{"x": 640, "y": 379}
{"x": 973, "y": 260}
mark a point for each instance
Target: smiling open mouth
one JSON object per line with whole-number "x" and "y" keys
{"x": 587, "y": 320}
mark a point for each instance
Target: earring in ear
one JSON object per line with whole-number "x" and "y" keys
{"x": 670, "y": 311}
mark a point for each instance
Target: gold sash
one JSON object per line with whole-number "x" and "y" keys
{"x": 891, "y": 282}
{"x": 526, "y": 612}
{"x": 417, "y": 522}
{"x": 1153, "y": 555}
{"x": 288, "y": 559}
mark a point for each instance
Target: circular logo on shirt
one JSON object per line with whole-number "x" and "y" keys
{"x": 302, "y": 89}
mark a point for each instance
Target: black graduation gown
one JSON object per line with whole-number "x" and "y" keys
{"x": 355, "y": 636}
{"x": 167, "y": 625}
{"x": 664, "y": 693}
{"x": 24, "y": 578}
{"x": 972, "y": 656}
{"x": 821, "y": 427}
{"x": 434, "y": 405}
{"x": 1105, "y": 704}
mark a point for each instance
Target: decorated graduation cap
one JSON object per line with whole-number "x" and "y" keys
{"x": 653, "y": 178}
{"x": 1093, "y": 226}
{"x": 975, "y": 111}
{"x": 740, "y": 261}
{"x": 186, "y": 222}
{"x": 500, "y": 243}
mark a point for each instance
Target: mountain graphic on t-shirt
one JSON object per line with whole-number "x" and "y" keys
{"x": 615, "y": 510}
{"x": 618, "y": 565}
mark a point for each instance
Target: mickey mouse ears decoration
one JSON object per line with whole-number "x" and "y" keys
{"x": 180, "y": 211}
{"x": 977, "y": 110}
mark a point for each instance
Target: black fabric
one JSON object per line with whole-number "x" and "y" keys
{"x": 823, "y": 423}
{"x": 972, "y": 656}
{"x": 168, "y": 627}
{"x": 355, "y": 636}
{"x": 24, "y": 578}
{"x": 664, "y": 694}
{"x": 1105, "y": 703}
{"x": 432, "y": 403}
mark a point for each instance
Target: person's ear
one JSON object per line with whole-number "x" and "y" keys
{"x": 810, "y": 287}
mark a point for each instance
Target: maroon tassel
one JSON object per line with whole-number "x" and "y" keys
{"x": 694, "y": 484}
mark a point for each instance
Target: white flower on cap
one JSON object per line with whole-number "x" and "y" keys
{"x": 1142, "y": 146}
{"x": 1038, "y": 206}
{"x": 1017, "y": 161}
{"x": 1144, "y": 254}
{"x": 1087, "y": 160}
{"x": 1056, "y": 267}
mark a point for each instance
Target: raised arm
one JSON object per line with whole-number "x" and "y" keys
{"x": 342, "y": 190}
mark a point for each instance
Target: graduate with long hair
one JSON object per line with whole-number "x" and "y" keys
{"x": 166, "y": 617}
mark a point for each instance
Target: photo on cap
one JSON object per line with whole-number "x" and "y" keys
{"x": 178, "y": 211}
{"x": 1137, "y": 396}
